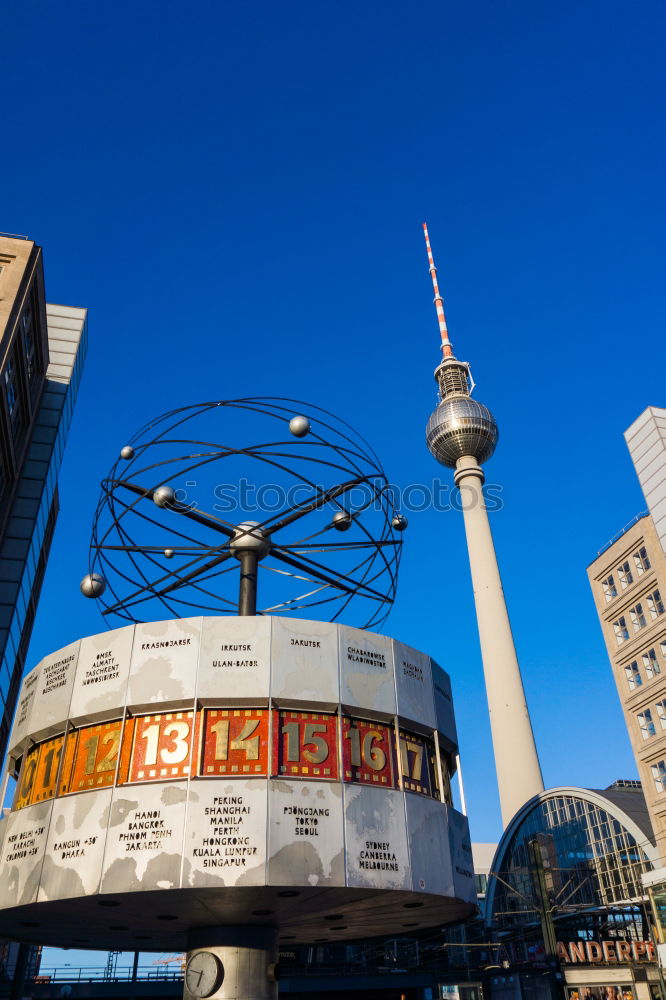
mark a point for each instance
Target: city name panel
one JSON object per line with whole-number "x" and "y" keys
{"x": 232, "y": 771}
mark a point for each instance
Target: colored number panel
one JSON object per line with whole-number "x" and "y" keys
{"x": 414, "y": 756}
{"x": 162, "y": 746}
{"x": 126, "y": 746}
{"x": 25, "y": 786}
{"x": 96, "y": 756}
{"x": 235, "y": 742}
{"x": 47, "y": 769}
{"x": 367, "y": 753}
{"x": 68, "y": 763}
{"x": 305, "y": 745}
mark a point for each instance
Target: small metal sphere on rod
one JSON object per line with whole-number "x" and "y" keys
{"x": 164, "y": 496}
{"x": 92, "y": 585}
{"x": 299, "y": 426}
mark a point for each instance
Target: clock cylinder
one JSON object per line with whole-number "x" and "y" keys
{"x": 248, "y": 958}
{"x": 220, "y": 785}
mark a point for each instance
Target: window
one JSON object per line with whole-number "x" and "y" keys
{"x": 27, "y": 335}
{"x": 661, "y": 713}
{"x": 641, "y": 560}
{"x": 637, "y": 617}
{"x": 651, "y": 664}
{"x": 481, "y": 884}
{"x": 634, "y": 679}
{"x": 655, "y": 604}
{"x": 645, "y": 724}
{"x": 621, "y": 630}
{"x": 12, "y": 390}
{"x": 624, "y": 573}
{"x": 609, "y": 588}
{"x": 32, "y": 362}
{"x": 659, "y": 775}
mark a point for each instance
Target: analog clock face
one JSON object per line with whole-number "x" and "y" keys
{"x": 204, "y": 974}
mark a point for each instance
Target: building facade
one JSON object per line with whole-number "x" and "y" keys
{"x": 646, "y": 441}
{"x": 42, "y": 350}
{"x": 628, "y": 580}
{"x": 565, "y": 896}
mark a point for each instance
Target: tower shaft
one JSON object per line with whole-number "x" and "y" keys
{"x": 462, "y": 434}
{"x": 516, "y": 760}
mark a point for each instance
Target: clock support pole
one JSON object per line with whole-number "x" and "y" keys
{"x": 246, "y": 959}
{"x": 247, "y": 594}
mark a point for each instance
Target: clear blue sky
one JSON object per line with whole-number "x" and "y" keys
{"x": 236, "y": 191}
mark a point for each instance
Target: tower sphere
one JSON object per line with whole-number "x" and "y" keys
{"x": 461, "y": 426}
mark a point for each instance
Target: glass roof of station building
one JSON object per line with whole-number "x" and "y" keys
{"x": 594, "y": 847}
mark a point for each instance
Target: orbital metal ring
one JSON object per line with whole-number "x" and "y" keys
{"x": 292, "y": 480}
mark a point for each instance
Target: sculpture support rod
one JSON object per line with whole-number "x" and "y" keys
{"x": 516, "y": 761}
{"x": 247, "y": 593}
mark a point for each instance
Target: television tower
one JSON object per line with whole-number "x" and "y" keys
{"x": 462, "y": 435}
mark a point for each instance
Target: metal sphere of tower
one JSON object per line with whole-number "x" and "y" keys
{"x": 461, "y": 426}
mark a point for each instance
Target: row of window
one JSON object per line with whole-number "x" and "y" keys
{"x": 626, "y": 574}
{"x": 643, "y": 613}
{"x": 649, "y": 666}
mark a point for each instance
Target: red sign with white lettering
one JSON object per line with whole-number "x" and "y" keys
{"x": 367, "y": 753}
{"x": 235, "y": 742}
{"x": 162, "y": 746}
{"x": 305, "y": 745}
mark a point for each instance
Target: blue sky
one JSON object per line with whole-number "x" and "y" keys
{"x": 236, "y": 192}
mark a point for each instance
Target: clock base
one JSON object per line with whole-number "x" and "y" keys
{"x": 247, "y": 957}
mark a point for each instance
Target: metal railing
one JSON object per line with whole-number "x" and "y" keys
{"x": 97, "y": 974}
{"x": 620, "y": 533}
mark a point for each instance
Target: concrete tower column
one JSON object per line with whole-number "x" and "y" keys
{"x": 516, "y": 761}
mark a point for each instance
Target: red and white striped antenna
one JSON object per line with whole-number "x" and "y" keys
{"x": 447, "y": 348}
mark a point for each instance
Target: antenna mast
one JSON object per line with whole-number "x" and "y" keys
{"x": 447, "y": 348}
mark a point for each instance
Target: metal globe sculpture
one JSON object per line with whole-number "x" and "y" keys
{"x": 461, "y": 426}
{"x": 265, "y": 482}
